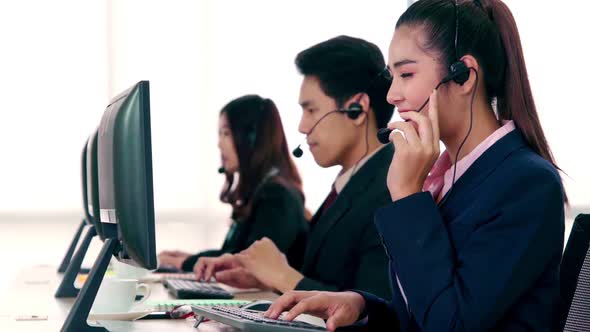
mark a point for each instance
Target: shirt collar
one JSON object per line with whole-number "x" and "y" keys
{"x": 343, "y": 178}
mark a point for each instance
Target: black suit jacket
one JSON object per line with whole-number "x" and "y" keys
{"x": 277, "y": 213}
{"x": 343, "y": 249}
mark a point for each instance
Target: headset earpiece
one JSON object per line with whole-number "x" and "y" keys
{"x": 353, "y": 111}
{"x": 458, "y": 72}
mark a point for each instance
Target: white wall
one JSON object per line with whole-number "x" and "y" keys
{"x": 202, "y": 55}
{"x": 62, "y": 62}
{"x": 53, "y": 72}
{"x": 554, "y": 37}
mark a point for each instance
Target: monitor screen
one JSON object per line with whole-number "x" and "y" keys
{"x": 125, "y": 174}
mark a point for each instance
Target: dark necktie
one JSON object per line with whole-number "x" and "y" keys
{"x": 329, "y": 200}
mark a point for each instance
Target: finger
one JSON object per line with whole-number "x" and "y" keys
{"x": 399, "y": 142}
{"x": 210, "y": 269}
{"x": 409, "y": 132}
{"x": 199, "y": 268}
{"x": 424, "y": 126}
{"x": 315, "y": 304}
{"x": 285, "y": 302}
{"x": 215, "y": 265}
{"x": 232, "y": 277}
{"x": 433, "y": 115}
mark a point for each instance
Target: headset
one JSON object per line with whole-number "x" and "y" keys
{"x": 353, "y": 111}
{"x": 458, "y": 73}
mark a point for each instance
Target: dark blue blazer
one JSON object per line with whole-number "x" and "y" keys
{"x": 487, "y": 259}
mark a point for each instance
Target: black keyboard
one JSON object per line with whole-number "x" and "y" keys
{"x": 250, "y": 320}
{"x": 185, "y": 289}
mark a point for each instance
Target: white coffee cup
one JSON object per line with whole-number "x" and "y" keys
{"x": 126, "y": 271}
{"x": 118, "y": 295}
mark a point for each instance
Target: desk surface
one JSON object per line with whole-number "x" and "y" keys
{"x": 32, "y": 294}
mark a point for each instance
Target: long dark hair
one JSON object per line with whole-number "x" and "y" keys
{"x": 261, "y": 146}
{"x": 487, "y": 31}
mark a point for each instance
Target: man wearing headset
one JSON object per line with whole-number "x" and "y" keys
{"x": 343, "y": 98}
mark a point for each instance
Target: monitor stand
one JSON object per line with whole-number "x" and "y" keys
{"x": 66, "y": 287}
{"x": 71, "y": 249}
{"x": 78, "y": 315}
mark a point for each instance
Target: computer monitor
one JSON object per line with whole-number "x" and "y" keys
{"x": 125, "y": 175}
{"x": 125, "y": 195}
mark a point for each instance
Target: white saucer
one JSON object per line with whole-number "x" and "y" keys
{"x": 126, "y": 316}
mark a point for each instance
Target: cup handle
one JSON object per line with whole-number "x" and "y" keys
{"x": 146, "y": 293}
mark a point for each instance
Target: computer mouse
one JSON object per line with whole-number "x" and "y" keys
{"x": 260, "y": 305}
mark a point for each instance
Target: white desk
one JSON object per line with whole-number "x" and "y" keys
{"x": 32, "y": 294}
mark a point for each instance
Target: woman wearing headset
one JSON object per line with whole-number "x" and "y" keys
{"x": 474, "y": 235}
{"x": 262, "y": 183}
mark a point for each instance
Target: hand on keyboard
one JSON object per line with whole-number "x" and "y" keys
{"x": 339, "y": 308}
{"x": 227, "y": 270}
{"x": 259, "y": 318}
{"x": 269, "y": 266}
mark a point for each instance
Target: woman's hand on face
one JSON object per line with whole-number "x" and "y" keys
{"x": 416, "y": 150}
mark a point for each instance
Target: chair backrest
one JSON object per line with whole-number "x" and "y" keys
{"x": 575, "y": 278}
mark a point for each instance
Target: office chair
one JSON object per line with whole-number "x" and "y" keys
{"x": 575, "y": 278}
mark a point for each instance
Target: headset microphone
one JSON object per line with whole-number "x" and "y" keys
{"x": 297, "y": 153}
{"x": 221, "y": 170}
{"x": 353, "y": 112}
